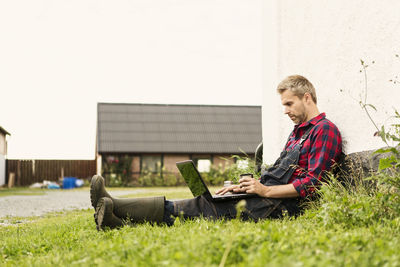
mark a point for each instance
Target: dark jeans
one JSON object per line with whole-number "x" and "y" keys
{"x": 256, "y": 208}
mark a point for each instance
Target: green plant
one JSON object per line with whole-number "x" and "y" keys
{"x": 148, "y": 178}
{"x": 357, "y": 206}
{"x": 71, "y": 239}
{"x": 117, "y": 170}
{"x": 230, "y": 171}
{"x": 391, "y": 136}
{"x": 214, "y": 177}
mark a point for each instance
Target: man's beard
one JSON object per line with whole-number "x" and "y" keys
{"x": 300, "y": 118}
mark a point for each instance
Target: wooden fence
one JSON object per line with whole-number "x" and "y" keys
{"x": 28, "y": 172}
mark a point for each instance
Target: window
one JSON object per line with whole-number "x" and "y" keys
{"x": 152, "y": 163}
{"x": 203, "y": 165}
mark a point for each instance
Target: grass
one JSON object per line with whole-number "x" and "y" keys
{"x": 341, "y": 230}
{"x": 21, "y": 191}
{"x": 168, "y": 192}
{"x": 71, "y": 239}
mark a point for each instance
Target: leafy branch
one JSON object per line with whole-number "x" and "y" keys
{"x": 364, "y": 105}
{"x": 394, "y": 159}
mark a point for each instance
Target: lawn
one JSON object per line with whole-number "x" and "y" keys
{"x": 24, "y": 191}
{"x": 168, "y": 192}
{"x": 313, "y": 239}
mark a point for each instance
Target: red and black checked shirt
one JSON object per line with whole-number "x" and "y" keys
{"x": 321, "y": 149}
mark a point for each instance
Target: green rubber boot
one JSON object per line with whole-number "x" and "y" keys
{"x": 97, "y": 190}
{"x": 105, "y": 216}
{"x": 140, "y": 210}
{"x": 136, "y": 210}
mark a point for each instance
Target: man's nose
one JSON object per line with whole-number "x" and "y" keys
{"x": 286, "y": 111}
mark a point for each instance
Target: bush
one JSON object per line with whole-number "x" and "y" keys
{"x": 230, "y": 171}
{"x": 358, "y": 205}
{"x": 113, "y": 179}
{"x": 215, "y": 176}
{"x": 148, "y": 178}
{"x": 116, "y": 170}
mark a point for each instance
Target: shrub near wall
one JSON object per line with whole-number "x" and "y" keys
{"x": 117, "y": 170}
{"x": 216, "y": 176}
{"x": 148, "y": 178}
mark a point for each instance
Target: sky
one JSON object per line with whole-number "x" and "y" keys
{"x": 58, "y": 59}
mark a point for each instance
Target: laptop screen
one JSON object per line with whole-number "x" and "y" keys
{"x": 192, "y": 177}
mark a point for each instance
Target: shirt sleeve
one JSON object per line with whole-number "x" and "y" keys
{"x": 325, "y": 147}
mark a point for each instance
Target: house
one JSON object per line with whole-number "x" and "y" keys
{"x": 325, "y": 41}
{"x": 134, "y": 138}
{"x": 3, "y": 154}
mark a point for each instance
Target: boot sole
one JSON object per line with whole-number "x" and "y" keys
{"x": 94, "y": 198}
{"x": 105, "y": 215}
{"x": 101, "y": 212}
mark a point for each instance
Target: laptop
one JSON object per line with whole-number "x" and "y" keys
{"x": 196, "y": 184}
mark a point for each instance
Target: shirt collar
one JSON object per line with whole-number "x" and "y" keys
{"x": 313, "y": 121}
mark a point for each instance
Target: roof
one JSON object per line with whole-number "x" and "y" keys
{"x": 155, "y": 128}
{"x": 2, "y": 130}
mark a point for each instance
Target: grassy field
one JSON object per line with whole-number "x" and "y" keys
{"x": 168, "y": 192}
{"x": 344, "y": 229}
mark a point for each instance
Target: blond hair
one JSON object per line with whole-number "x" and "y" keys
{"x": 299, "y": 85}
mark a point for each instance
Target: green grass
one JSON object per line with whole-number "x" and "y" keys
{"x": 21, "y": 191}
{"x": 71, "y": 239}
{"x": 345, "y": 229}
{"x": 168, "y": 192}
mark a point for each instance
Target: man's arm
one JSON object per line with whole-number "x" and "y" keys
{"x": 326, "y": 147}
{"x": 253, "y": 186}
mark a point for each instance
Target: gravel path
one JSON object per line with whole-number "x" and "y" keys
{"x": 57, "y": 200}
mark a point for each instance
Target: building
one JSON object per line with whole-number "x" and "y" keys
{"x": 137, "y": 138}
{"x": 324, "y": 41}
{"x": 3, "y": 154}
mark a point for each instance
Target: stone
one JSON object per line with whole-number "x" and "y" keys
{"x": 360, "y": 165}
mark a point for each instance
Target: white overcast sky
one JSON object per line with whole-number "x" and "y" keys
{"x": 59, "y": 58}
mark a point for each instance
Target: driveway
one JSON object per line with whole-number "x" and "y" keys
{"x": 57, "y": 200}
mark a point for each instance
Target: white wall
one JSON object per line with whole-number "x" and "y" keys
{"x": 324, "y": 41}
{"x": 3, "y": 147}
{"x": 3, "y": 152}
{"x": 2, "y": 170}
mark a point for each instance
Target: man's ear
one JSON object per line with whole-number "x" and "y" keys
{"x": 308, "y": 97}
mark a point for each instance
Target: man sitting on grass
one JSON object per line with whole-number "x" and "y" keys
{"x": 313, "y": 146}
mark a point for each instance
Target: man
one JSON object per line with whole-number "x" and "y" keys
{"x": 313, "y": 146}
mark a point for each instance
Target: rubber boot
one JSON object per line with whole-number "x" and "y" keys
{"x": 136, "y": 210}
{"x": 140, "y": 210}
{"x": 104, "y": 215}
{"x": 97, "y": 190}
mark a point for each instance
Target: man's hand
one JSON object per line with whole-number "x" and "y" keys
{"x": 246, "y": 185}
{"x": 251, "y": 186}
{"x": 233, "y": 188}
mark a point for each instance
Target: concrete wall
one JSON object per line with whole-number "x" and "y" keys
{"x": 324, "y": 41}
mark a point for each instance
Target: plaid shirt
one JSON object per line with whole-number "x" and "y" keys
{"x": 321, "y": 149}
